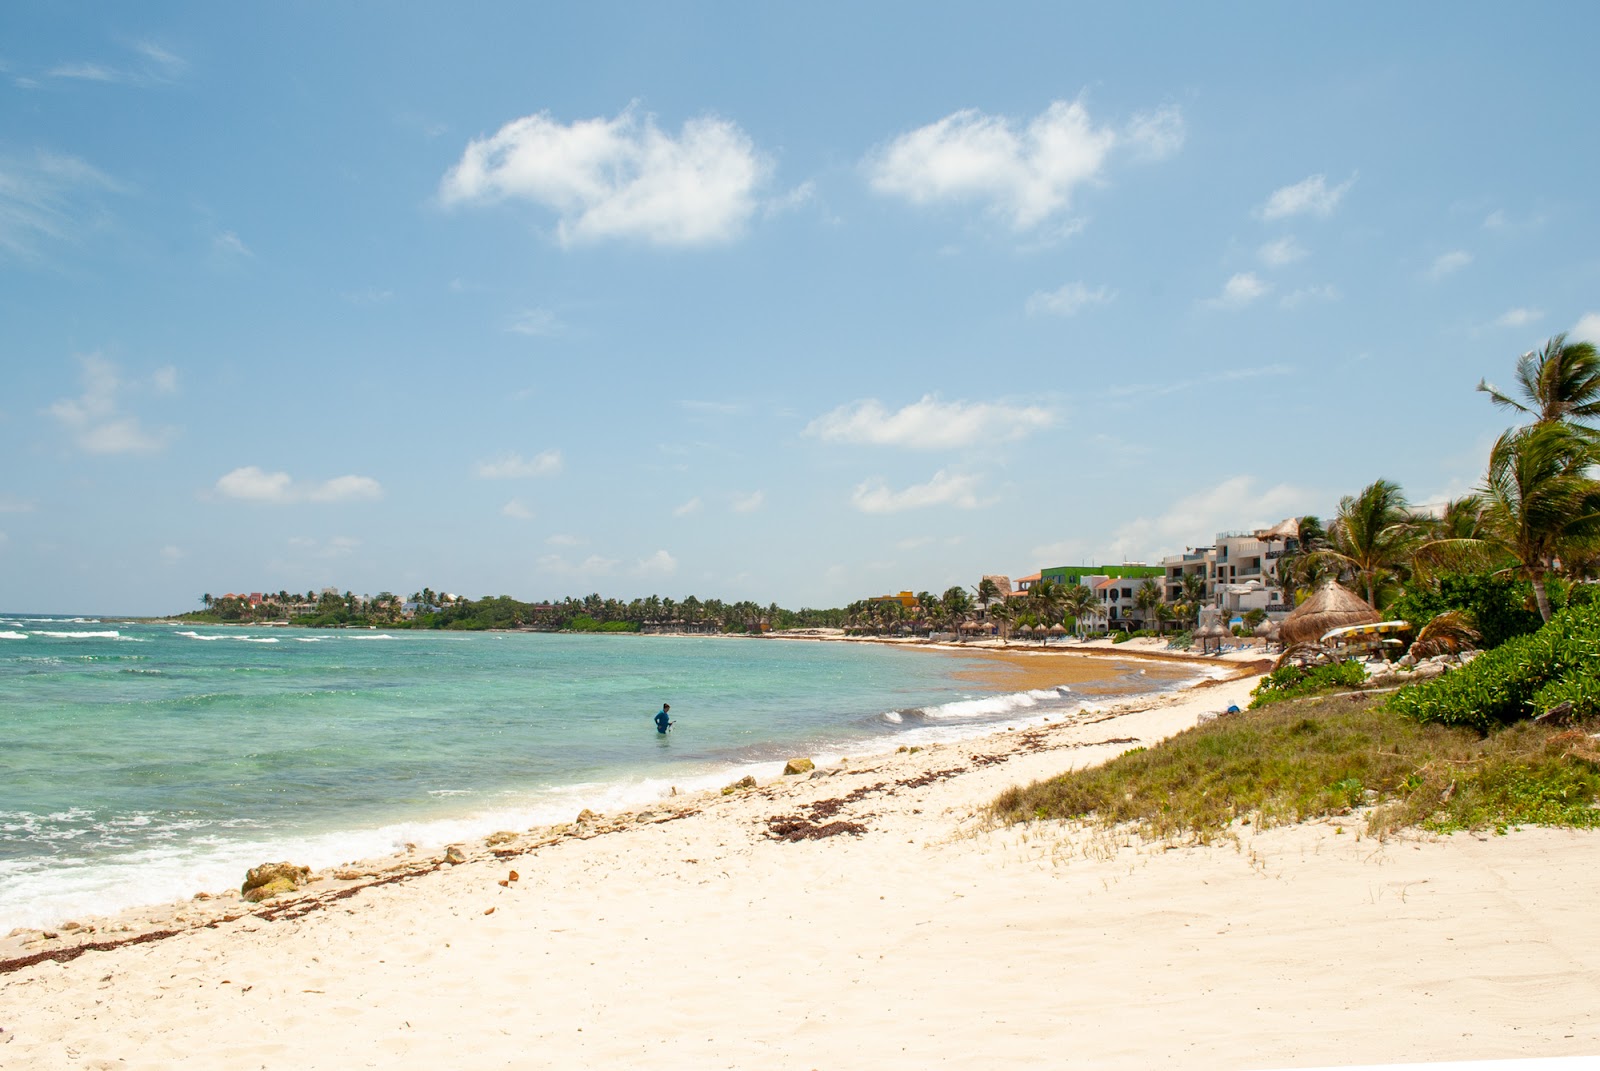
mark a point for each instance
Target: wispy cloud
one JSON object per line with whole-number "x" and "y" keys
{"x": 944, "y": 489}
{"x": 1312, "y": 196}
{"x": 594, "y": 565}
{"x": 537, "y": 323}
{"x": 1449, "y": 263}
{"x": 1021, "y": 172}
{"x": 1195, "y": 519}
{"x": 513, "y": 466}
{"x": 929, "y": 424}
{"x": 149, "y": 65}
{"x": 1239, "y": 291}
{"x": 1283, "y": 251}
{"x": 516, "y": 511}
{"x": 48, "y": 199}
{"x": 622, "y": 178}
{"x": 98, "y": 420}
{"x": 749, "y": 503}
{"x": 1307, "y": 294}
{"x": 12, "y": 504}
{"x": 1519, "y": 317}
{"x": 1068, "y": 300}
{"x": 253, "y": 484}
{"x": 690, "y": 507}
{"x": 230, "y": 243}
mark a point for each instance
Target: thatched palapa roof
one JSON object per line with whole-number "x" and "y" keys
{"x": 1330, "y": 607}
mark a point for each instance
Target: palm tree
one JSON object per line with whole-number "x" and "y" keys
{"x": 1539, "y": 505}
{"x": 1047, "y": 598}
{"x": 957, "y": 604}
{"x": 1560, "y": 383}
{"x": 1078, "y": 601}
{"x": 1373, "y": 536}
{"x": 1003, "y": 613}
{"x": 1146, "y": 599}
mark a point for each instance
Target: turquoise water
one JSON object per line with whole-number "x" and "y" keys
{"x": 145, "y": 762}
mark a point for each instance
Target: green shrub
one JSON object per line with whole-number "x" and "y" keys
{"x": 1501, "y": 606}
{"x": 1518, "y": 679}
{"x": 1292, "y": 682}
{"x": 1134, "y": 634}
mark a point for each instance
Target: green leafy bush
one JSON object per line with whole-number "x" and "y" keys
{"x": 1292, "y": 682}
{"x": 1501, "y": 607}
{"x": 1522, "y": 677}
{"x": 1134, "y": 634}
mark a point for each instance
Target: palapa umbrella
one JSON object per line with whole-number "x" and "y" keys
{"x": 1330, "y": 607}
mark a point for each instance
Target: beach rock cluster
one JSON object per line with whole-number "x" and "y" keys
{"x": 1409, "y": 669}
{"x": 272, "y": 879}
{"x": 743, "y": 784}
{"x": 798, "y": 766}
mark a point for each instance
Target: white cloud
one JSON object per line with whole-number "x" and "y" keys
{"x": 1235, "y": 504}
{"x": 1325, "y": 292}
{"x": 658, "y": 564}
{"x": 562, "y": 540}
{"x": 928, "y": 424}
{"x": 1588, "y": 329}
{"x": 1239, "y": 291}
{"x": 945, "y": 489}
{"x": 337, "y": 547}
{"x": 48, "y": 199}
{"x": 96, "y": 419}
{"x": 172, "y": 555}
{"x": 1024, "y": 173}
{"x": 1157, "y": 135}
{"x": 1518, "y": 317}
{"x": 164, "y": 380}
{"x": 748, "y": 503}
{"x": 539, "y": 323}
{"x": 1283, "y": 251}
{"x": 592, "y": 566}
{"x": 10, "y": 504}
{"x": 517, "y": 511}
{"x": 1068, "y": 300}
{"x": 691, "y": 506}
{"x": 1447, "y": 263}
{"x": 253, "y": 484}
{"x": 152, "y": 66}
{"x": 1311, "y": 196}
{"x": 512, "y": 466}
{"x": 84, "y": 72}
{"x": 618, "y": 178}
{"x": 232, "y": 244}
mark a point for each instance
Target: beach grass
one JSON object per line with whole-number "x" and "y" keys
{"x": 1325, "y": 757}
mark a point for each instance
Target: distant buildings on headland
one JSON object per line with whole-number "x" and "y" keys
{"x": 1235, "y": 575}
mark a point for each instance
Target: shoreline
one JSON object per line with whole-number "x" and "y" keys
{"x": 208, "y": 908}
{"x": 731, "y": 929}
{"x": 990, "y": 690}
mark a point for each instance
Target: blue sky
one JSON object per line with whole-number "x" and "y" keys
{"x": 786, "y": 302}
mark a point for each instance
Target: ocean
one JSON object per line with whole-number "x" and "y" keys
{"x": 147, "y": 761}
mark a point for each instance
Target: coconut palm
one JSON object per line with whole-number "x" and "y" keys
{"x": 1078, "y": 601}
{"x": 1539, "y": 506}
{"x": 1373, "y": 536}
{"x": 1560, "y": 383}
{"x": 1146, "y": 599}
{"x": 956, "y": 604}
{"x": 1047, "y": 598}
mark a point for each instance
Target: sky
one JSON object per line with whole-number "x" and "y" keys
{"x": 793, "y": 303}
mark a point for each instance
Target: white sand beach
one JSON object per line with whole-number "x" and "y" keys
{"x": 687, "y": 936}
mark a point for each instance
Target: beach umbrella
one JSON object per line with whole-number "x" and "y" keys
{"x": 1330, "y": 607}
{"x": 1264, "y": 631}
{"x": 1058, "y": 629}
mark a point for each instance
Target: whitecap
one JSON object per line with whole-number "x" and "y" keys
{"x": 13, "y": 635}
{"x": 111, "y": 634}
